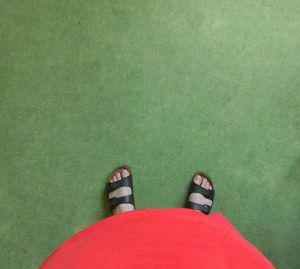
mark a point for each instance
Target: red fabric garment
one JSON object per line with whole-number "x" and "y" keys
{"x": 158, "y": 238}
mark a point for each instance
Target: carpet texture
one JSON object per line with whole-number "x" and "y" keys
{"x": 167, "y": 87}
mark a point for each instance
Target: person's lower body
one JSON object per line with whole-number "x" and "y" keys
{"x": 158, "y": 238}
{"x": 200, "y": 196}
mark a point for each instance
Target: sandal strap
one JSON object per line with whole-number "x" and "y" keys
{"x": 128, "y": 199}
{"x": 209, "y": 194}
{"x": 124, "y": 182}
{"x": 203, "y": 208}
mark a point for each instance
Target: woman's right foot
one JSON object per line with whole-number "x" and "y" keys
{"x": 204, "y": 200}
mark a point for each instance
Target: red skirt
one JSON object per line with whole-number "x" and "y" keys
{"x": 158, "y": 238}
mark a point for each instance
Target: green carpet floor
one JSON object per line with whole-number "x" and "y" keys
{"x": 167, "y": 87}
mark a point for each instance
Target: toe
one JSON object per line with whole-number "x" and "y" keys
{"x": 197, "y": 179}
{"x": 204, "y": 181}
{"x": 114, "y": 178}
{"x": 118, "y": 175}
{"x": 208, "y": 185}
{"x": 125, "y": 173}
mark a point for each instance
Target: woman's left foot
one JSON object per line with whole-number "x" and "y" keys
{"x": 117, "y": 175}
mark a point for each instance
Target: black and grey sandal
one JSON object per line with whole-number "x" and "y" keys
{"x": 208, "y": 194}
{"x": 124, "y": 182}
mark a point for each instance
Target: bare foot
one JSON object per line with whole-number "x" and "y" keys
{"x": 198, "y": 197}
{"x": 121, "y": 191}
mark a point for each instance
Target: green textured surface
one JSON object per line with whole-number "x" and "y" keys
{"x": 167, "y": 87}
